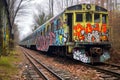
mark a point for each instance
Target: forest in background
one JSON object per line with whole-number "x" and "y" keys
{"x": 13, "y": 9}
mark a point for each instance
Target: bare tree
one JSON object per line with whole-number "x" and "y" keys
{"x": 71, "y": 2}
{"x": 14, "y": 8}
{"x": 51, "y": 5}
{"x": 60, "y": 5}
{"x": 16, "y": 34}
{"x": 41, "y": 17}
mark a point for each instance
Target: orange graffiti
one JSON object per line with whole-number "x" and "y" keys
{"x": 93, "y": 38}
{"x": 104, "y": 38}
{"x": 77, "y": 29}
{"x": 104, "y": 28}
{"x": 88, "y": 28}
{"x": 81, "y": 37}
{"x": 97, "y": 27}
{"x": 74, "y": 31}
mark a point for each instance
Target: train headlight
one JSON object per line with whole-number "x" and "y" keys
{"x": 88, "y": 6}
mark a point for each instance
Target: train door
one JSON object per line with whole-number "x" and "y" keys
{"x": 70, "y": 24}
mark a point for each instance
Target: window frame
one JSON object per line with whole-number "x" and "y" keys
{"x": 86, "y": 17}
{"x": 81, "y": 16}
{"x": 105, "y": 18}
{"x": 43, "y": 31}
{"x": 52, "y": 27}
{"x": 58, "y": 23}
{"x": 47, "y": 29}
{"x": 99, "y": 18}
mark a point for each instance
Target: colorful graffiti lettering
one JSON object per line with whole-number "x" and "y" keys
{"x": 90, "y": 33}
{"x": 79, "y": 32}
{"x": 61, "y": 37}
{"x": 43, "y": 42}
{"x": 58, "y": 37}
{"x": 104, "y": 56}
{"x": 81, "y": 56}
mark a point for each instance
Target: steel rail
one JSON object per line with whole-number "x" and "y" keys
{"x": 40, "y": 73}
{"x": 105, "y": 63}
{"x": 113, "y": 73}
{"x": 56, "y": 75}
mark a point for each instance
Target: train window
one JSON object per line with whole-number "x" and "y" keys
{"x": 41, "y": 33}
{"x": 104, "y": 18}
{"x": 88, "y": 17}
{"x": 52, "y": 27}
{"x": 38, "y": 33}
{"x": 44, "y": 32}
{"x": 58, "y": 24}
{"x": 97, "y": 18}
{"x": 47, "y": 31}
{"x": 79, "y": 17}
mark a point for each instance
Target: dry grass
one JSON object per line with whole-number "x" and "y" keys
{"x": 9, "y": 65}
{"x": 7, "y": 68}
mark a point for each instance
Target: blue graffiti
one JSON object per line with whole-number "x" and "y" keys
{"x": 55, "y": 25}
{"x": 59, "y": 37}
{"x": 57, "y": 41}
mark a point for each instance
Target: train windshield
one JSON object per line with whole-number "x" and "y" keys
{"x": 104, "y": 18}
{"x": 88, "y": 17}
{"x": 97, "y": 18}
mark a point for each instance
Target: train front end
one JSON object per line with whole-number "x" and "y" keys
{"x": 89, "y": 33}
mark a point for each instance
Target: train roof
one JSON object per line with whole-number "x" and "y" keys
{"x": 86, "y": 7}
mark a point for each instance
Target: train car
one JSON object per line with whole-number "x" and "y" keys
{"x": 80, "y": 31}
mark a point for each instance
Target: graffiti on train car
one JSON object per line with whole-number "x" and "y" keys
{"x": 58, "y": 37}
{"x": 43, "y": 42}
{"x": 61, "y": 37}
{"x": 90, "y": 33}
{"x": 80, "y": 55}
{"x": 61, "y": 34}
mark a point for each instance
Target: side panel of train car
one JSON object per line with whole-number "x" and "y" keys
{"x": 81, "y": 31}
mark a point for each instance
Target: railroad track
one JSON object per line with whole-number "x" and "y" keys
{"x": 110, "y": 71}
{"x": 43, "y": 71}
{"x": 107, "y": 71}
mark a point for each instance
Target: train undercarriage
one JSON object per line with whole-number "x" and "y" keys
{"x": 84, "y": 52}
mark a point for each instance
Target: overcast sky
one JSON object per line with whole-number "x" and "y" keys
{"x": 25, "y": 22}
